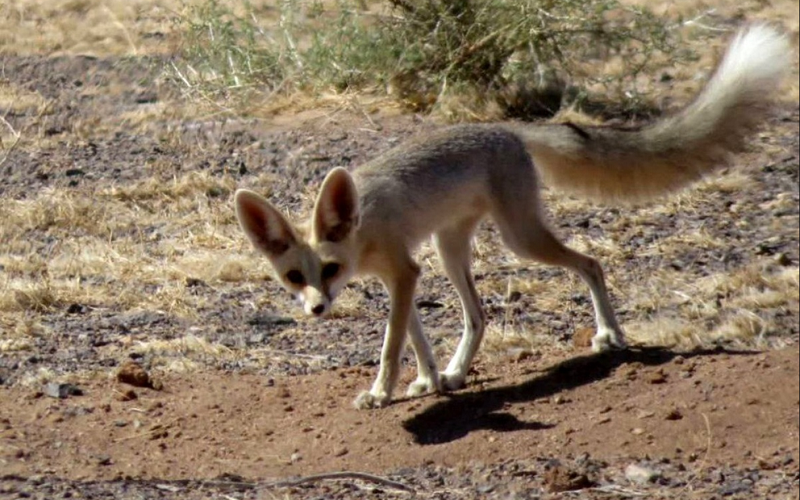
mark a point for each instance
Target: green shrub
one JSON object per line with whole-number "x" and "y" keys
{"x": 513, "y": 53}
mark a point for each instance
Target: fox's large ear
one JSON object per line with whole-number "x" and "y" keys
{"x": 267, "y": 229}
{"x": 336, "y": 211}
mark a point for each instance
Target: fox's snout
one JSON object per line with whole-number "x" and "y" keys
{"x": 317, "y": 310}
{"x": 315, "y": 303}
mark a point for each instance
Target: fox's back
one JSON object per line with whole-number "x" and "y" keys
{"x": 424, "y": 183}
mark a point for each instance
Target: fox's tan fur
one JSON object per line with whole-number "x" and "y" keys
{"x": 442, "y": 185}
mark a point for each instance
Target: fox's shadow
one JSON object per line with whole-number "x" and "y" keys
{"x": 463, "y": 413}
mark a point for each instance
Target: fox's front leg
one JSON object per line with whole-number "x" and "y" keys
{"x": 401, "y": 286}
{"x": 428, "y": 380}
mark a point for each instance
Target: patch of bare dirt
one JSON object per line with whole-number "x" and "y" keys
{"x": 705, "y": 416}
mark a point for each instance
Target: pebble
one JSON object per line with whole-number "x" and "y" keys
{"x": 132, "y": 373}
{"x": 641, "y": 475}
{"x": 61, "y": 391}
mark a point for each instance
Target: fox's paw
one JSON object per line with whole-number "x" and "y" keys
{"x": 452, "y": 381}
{"x": 368, "y": 401}
{"x": 607, "y": 340}
{"x": 424, "y": 385}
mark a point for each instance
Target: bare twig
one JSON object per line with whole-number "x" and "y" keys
{"x": 342, "y": 475}
{"x": 287, "y": 483}
{"x": 17, "y": 134}
{"x": 709, "y": 441}
{"x": 612, "y": 489}
{"x": 124, "y": 29}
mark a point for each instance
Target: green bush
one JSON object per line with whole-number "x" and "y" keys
{"x": 514, "y": 53}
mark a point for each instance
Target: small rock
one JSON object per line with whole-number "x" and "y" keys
{"x": 631, "y": 371}
{"x": 638, "y": 431}
{"x": 656, "y": 377}
{"x": 37, "y": 480}
{"x": 643, "y": 414}
{"x": 520, "y": 355}
{"x": 61, "y": 391}
{"x": 158, "y": 431}
{"x": 734, "y": 488}
{"x": 717, "y": 477}
{"x": 256, "y": 338}
{"x": 582, "y": 338}
{"x": 674, "y": 414}
{"x": 270, "y": 320}
{"x": 77, "y": 309}
{"x": 641, "y": 475}
{"x": 132, "y": 373}
{"x": 783, "y": 260}
{"x": 74, "y": 172}
{"x": 340, "y": 452}
{"x": 429, "y": 304}
{"x": 168, "y": 487}
{"x": 195, "y": 283}
{"x": 127, "y": 395}
{"x": 296, "y": 457}
{"x": 559, "y": 479}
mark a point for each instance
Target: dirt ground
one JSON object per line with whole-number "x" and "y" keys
{"x": 704, "y": 424}
{"x": 119, "y": 246}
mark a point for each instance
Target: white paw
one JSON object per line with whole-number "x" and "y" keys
{"x": 452, "y": 381}
{"x": 424, "y": 385}
{"x": 607, "y": 340}
{"x": 368, "y": 400}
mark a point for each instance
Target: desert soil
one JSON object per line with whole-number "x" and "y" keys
{"x": 550, "y": 422}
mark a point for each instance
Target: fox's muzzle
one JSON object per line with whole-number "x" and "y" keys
{"x": 315, "y": 302}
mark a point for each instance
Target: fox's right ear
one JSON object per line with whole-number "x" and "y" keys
{"x": 267, "y": 229}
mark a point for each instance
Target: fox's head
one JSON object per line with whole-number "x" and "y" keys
{"x": 314, "y": 262}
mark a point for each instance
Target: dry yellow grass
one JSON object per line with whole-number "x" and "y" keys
{"x": 90, "y": 27}
{"x": 103, "y": 239}
{"x": 118, "y": 244}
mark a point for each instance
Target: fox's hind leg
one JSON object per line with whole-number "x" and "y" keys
{"x": 453, "y": 245}
{"x": 526, "y": 234}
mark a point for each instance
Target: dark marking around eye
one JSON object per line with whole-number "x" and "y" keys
{"x": 330, "y": 270}
{"x": 295, "y": 277}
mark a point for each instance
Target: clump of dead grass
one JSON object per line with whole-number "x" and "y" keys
{"x": 91, "y": 27}
{"x": 122, "y": 247}
{"x": 727, "y": 307}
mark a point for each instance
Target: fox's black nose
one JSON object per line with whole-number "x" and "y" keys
{"x": 318, "y": 309}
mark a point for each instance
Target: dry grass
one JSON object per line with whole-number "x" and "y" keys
{"x": 133, "y": 247}
{"x": 724, "y": 307}
{"x": 91, "y": 27}
{"x": 119, "y": 243}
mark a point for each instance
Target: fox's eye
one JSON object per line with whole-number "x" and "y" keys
{"x": 330, "y": 270}
{"x": 295, "y": 277}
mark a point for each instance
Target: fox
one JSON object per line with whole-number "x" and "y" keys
{"x": 369, "y": 221}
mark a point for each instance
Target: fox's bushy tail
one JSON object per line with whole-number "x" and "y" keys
{"x": 635, "y": 165}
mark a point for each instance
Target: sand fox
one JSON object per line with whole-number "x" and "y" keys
{"x": 442, "y": 185}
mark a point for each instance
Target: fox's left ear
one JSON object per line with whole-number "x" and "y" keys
{"x": 336, "y": 211}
